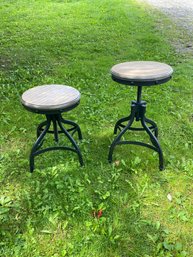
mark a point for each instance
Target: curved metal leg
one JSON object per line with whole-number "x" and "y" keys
{"x": 154, "y": 125}
{"x": 117, "y": 139}
{"x": 72, "y": 141}
{"x": 55, "y": 129}
{"x": 39, "y": 128}
{"x": 119, "y": 123}
{"x": 74, "y": 128}
{"x": 155, "y": 143}
{"x": 37, "y": 144}
{"x": 39, "y": 131}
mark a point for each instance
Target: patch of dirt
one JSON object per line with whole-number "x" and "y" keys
{"x": 181, "y": 13}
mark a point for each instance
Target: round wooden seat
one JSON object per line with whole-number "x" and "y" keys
{"x": 50, "y": 98}
{"x": 143, "y": 73}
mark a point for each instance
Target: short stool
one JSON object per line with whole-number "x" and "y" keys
{"x": 52, "y": 101}
{"x": 139, "y": 73}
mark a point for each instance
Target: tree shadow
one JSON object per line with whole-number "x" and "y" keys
{"x": 61, "y": 191}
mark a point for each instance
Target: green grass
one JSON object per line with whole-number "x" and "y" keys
{"x": 51, "y": 212}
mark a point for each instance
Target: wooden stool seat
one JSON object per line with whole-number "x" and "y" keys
{"x": 143, "y": 73}
{"x": 50, "y": 98}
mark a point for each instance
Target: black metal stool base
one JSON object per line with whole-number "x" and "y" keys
{"x": 138, "y": 109}
{"x": 58, "y": 128}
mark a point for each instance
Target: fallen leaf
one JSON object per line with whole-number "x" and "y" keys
{"x": 100, "y": 212}
{"x": 169, "y": 196}
{"x": 117, "y": 163}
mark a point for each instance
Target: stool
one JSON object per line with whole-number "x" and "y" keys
{"x": 52, "y": 100}
{"x": 139, "y": 73}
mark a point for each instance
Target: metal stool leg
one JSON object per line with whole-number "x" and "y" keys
{"x": 155, "y": 143}
{"x": 40, "y": 128}
{"x": 119, "y": 124}
{"x": 117, "y": 139}
{"x": 75, "y": 127}
{"x": 154, "y": 125}
{"x": 37, "y": 144}
{"x": 72, "y": 141}
{"x": 54, "y": 120}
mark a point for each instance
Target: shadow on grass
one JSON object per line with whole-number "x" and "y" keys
{"x": 63, "y": 195}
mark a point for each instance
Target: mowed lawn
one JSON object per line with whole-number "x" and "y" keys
{"x": 54, "y": 211}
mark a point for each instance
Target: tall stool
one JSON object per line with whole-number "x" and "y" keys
{"x": 139, "y": 73}
{"x": 52, "y": 100}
